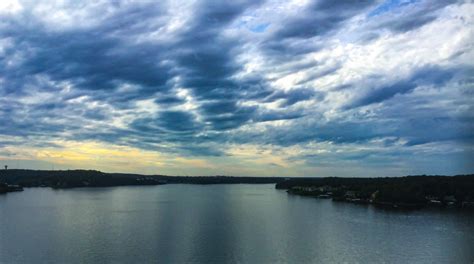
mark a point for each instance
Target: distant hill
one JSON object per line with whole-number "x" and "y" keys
{"x": 92, "y": 178}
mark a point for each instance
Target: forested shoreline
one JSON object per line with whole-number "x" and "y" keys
{"x": 404, "y": 192}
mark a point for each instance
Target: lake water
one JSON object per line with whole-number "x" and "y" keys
{"x": 240, "y": 223}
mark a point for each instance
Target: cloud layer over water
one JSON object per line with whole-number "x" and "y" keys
{"x": 320, "y": 87}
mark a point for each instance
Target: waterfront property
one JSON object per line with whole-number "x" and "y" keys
{"x": 401, "y": 192}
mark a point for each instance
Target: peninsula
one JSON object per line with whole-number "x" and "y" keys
{"x": 396, "y": 192}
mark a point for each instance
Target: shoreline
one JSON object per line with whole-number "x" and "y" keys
{"x": 408, "y": 192}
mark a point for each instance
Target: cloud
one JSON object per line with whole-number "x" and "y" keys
{"x": 292, "y": 97}
{"x": 427, "y": 75}
{"x": 194, "y": 78}
{"x": 321, "y": 17}
{"x": 174, "y": 121}
{"x": 407, "y": 16}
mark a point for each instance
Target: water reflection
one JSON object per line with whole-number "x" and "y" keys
{"x": 221, "y": 224}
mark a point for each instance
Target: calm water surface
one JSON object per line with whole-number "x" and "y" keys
{"x": 221, "y": 224}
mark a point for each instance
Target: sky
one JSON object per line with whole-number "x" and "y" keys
{"x": 347, "y": 88}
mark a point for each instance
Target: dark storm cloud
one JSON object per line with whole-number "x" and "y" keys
{"x": 321, "y": 17}
{"x": 428, "y": 75}
{"x": 233, "y": 120}
{"x": 380, "y": 159}
{"x": 291, "y": 38}
{"x": 173, "y": 121}
{"x": 169, "y": 100}
{"x": 442, "y": 128}
{"x": 92, "y": 61}
{"x": 207, "y": 65}
{"x": 96, "y": 61}
{"x": 305, "y": 32}
{"x": 205, "y": 58}
{"x": 293, "y": 96}
{"x": 408, "y": 122}
{"x": 177, "y": 121}
{"x": 17, "y": 119}
{"x": 99, "y": 61}
{"x": 219, "y": 107}
{"x": 336, "y": 131}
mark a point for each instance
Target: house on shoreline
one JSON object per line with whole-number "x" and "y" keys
{"x": 4, "y": 187}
